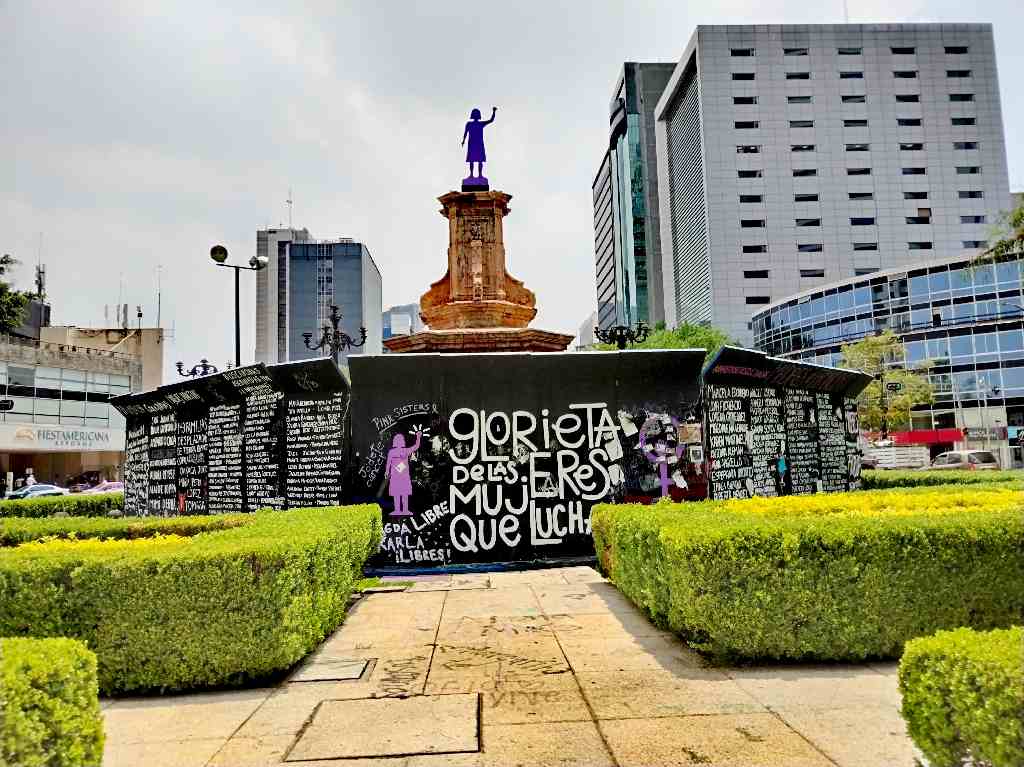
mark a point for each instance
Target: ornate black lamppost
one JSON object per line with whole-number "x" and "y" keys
{"x": 204, "y": 368}
{"x": 220, "y": 254}
{"x": 622, "y": 335}
{"x": 334, "y": 339}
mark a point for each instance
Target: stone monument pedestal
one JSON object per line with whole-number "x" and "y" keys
{"x": 477, "y": 306}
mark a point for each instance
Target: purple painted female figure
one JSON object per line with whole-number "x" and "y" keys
{"x": 397, "y": 471}
{"x": 476, "y": 154}
{"x": 661, "y": 454}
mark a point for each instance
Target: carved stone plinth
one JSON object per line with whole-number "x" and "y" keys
{"x": 479, "y": 340}
{"x": 477, "y": 293}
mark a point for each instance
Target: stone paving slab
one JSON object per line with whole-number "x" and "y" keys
{"x": 565, "y": 671}
{"x": 435, "y": 724}
{"x": 725, "y": 740}
{"x": 330, "y": 669}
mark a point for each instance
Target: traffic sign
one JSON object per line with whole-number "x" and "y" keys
{"x": 894, "y": 386}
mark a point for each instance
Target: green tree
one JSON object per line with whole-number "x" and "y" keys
{"x": 1008, "y": 234}
{"x": 685, "y": 336}
{"x": 881, "y": 408}
{"x": 12, "y": 302}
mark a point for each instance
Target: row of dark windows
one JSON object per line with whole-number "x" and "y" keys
{"x": 760, "y": 223}
{"x": 817, "y": 247}
{"x": 897, "y": 50}
{"x": 908, "y": 74}
{"x": 901, "y": 98}
{"x": 961, "y": 170}
{"x": 963, "y": 194}
{"x": 905, "y": 146}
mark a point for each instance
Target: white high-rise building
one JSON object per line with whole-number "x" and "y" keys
{"x": 794, "y": 156}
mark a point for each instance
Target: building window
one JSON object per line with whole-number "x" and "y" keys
{"x": 957, "y": 73}
{"x": 746, "y": 124}
{"x": 752, "y": 223}
{"x": 748, "y": 149}
{"x": 861, "y": 99}
{"x": 798, "y": 75}
{"x": 808, "y": 221}
{"x": 968, "y": 170}
{"x": 794, "y": 51}
{"x": 956, "y": 49}
{"x": 741, "y": 52}
{"x": 851, "y": 75}
{"x": 862, "y": 270}
{"x": 905, "y": 74}
{"x": 742, "y": 75}
{"x": 919, "y": 245}
{"x": 802, "y": 147}
{"x": 965, "y": 144}
{"x": 801, "y": 123}
{"x": 961, "y": 97}
{"x": 812, "y": 272}
{"x": 862, "y": 221}
{"x": 975, "y": 244}
{"x": 915, "y": 195}
{"x": 800, "y": 99}
{"x": 907, "y": 98}
{"x": 958, "y": 121}
{"x": 862, "y": 195}
{"x": 858, "y": 147}
{"x": 918, "y": 219}
{"x": 914, "y": 171}
{"x": 810, "y": 247}
{"x": 759, "y": 300}
{"x": 749, "y": 173}
{"x": 970, "y": 194}
{"x": 865, "y": 246}
{"x": 902, "y": 50}
{"x": 810, "y": 197}
{"x": 755, "y": 248}
{"x": 755, "y": 274}
{"x": 911, "y": 146}
{"x": 858, "y": 171}
{"x": 909, "y": 122}
{"x": 848, "y": 51}
{"x": 750, "y": 198}
{"x": 743, "y": 100}
{"x": 972, "y": 219}
{"x": 804, "y": 172}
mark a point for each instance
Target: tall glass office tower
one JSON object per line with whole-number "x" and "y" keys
{"x": 627, "y": 251}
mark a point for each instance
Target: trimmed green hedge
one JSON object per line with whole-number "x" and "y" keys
{"x": 839, "y": 576}
{"x": 49, "y": 704}
{"x": 882, "y": 479}
{"x": 963, "y": 696}
{"x": 79, "y": 505}
{"x": 15, "y": 530}
{"x": 179, "y": 610}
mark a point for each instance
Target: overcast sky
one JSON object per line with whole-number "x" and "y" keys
{"x": 137, "y": 134}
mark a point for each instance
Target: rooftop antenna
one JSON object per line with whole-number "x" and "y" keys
{"x": 289, "y": 202}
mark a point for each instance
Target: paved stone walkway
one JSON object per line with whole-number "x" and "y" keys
{"x": 543, "y": 667}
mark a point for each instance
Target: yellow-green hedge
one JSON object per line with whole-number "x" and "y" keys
{"x": 838, "y": 576}
{"x": 248, "y": 596}
{"x": 882, "y": 479}
{"x": 49, "y": 704}
{"x": 963, "y": 696}
{"x": 79, "y": 505}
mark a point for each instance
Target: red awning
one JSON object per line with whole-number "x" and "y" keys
{"x": 926, "y": 436}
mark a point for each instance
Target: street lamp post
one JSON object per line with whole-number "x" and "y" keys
{"x": 204, "y": 368}
{"x": 219, "y": 254}
{"x": 623, "y": 335}
{"x": 334, "y": 339}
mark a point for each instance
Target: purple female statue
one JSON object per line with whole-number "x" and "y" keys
{"x": 398, "y": 473}
{"x": 662, "y": 453}
{"x": 476, "y": 154}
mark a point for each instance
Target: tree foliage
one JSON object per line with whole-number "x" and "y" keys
{"x": 876, "y": 355}
{"x": 1008, "y": 234}
{"x": 12, "y": 302}
{"x": 684, "y": 336}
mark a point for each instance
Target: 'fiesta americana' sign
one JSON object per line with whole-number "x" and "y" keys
{"x": 29, "y": 437}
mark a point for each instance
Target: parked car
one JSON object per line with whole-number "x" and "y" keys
{"x": 105, "y": 487}
{"x": 966, "y": 459}
{"x": 36, "y": 491}
{"x": 84, "y": 481}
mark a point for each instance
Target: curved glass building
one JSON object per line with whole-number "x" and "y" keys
{"x": 965, "y": 319}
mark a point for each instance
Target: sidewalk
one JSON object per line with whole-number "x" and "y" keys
{"x": 541, "y": 667}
